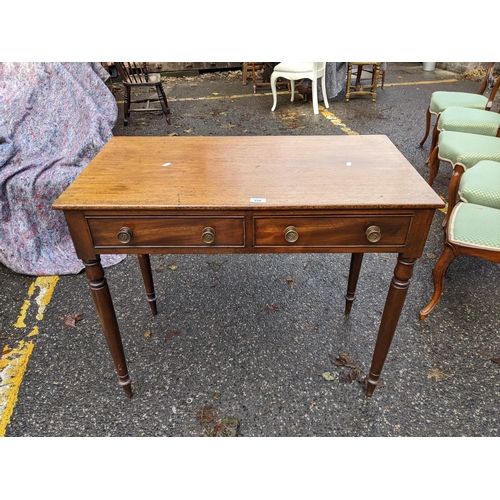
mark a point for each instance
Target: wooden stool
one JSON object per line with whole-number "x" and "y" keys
{"x": 359, "y": 88}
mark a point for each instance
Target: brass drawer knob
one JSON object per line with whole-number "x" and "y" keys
{"x": 373, "y": 234}
{"x": 291, "y": 234}
{"x": 208, "y": 235}
{"x": 125, "y": 235}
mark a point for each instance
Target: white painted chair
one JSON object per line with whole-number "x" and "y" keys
{"x": 298, "y": 71}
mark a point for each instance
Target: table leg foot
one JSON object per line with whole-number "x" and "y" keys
{"x": 371, "y": 384}
{"x": 126, "y": 384}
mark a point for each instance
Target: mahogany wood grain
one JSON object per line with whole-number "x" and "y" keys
{"x": 302, "y": 172}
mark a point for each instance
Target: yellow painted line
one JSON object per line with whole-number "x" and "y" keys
{"x": 34, "y": 332}
{"x": 337, "y": 121}
{"x": 46, "y": 284}
{"x": 216, "y": 97}
{"x": 12, "y": 368}
{"x": 426, "y": 82}
{"x": 22, "y": 315}
{"x": 13, "y": 362}
{"x": 330, "y": 116}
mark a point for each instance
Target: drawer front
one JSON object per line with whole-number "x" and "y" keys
{"x": 331, "y": 231}
{"x": 131, "y": 232}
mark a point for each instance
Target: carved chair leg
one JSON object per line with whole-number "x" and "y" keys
{"x": 273, "y": 90}
{"x": 433, "y": 165}
{"x": 435, "y": 136}
{"x": 427, "y": 126}
{"x": 438, "y": 274}
{"x": 356, "y": 260}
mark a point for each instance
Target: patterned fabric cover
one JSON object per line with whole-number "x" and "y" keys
{"x": 460, "y": 148}
{"x": 473, "y": 121}
{"x": 54, "y": 118}
{"x": 475, "y": 226}
{"x": 441, "y": 100}
{"x": 481, "y": 185}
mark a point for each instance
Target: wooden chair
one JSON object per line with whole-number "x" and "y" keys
{"x": 266, "y": 69}
{"x": 474, "y": 225}
{"x": 463, "y": 151}
{"x": 360, "y": 88}
{"x": 470, "y": 120}
{"x": 294, "y": 71}
{"x": 441, "y": 100}
{"x": 135, "y": 75}
{"x": 251, "y": 68}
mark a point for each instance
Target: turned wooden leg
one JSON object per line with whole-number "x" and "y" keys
{"x": 147, "y": 276}
{"x": 390, "y": 317}
{"x": 356, "y": 260}
{"x": 375, "y": 76}
{"x": 438, "y": 274}
{"x": 126, "y": 106}
{"x": 348, "y": 82}
{"x": 107, "y": 316}
{"x": 358, "y": 76}
{"x": 427, "y": 126}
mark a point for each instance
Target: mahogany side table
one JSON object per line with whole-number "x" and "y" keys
{"x": 233, "y": 195}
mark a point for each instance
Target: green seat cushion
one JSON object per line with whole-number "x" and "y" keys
{"x": 460, "y": 148}
{"x": 441, "y": 100}
{"x": 475, "y": 226}
{"x": 473, "y": 121}
{"x": 481, "y": 185}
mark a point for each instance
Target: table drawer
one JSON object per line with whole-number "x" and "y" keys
{"x": 331, "y": 231}
{"x": 179, "y": 231}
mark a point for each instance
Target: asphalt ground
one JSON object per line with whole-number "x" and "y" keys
{"x": 248, "y": 337}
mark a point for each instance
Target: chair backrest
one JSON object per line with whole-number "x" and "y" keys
{"x": 133, "y": 72}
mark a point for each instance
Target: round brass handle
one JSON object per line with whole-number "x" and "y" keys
{"x": 291, "y": 234}
{"x": 208, "y": 235}
{"x": 373, "y": 234}
{"x": 125, "y": 235}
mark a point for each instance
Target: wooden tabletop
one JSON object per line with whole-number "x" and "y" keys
{"x": 295, "y": 172}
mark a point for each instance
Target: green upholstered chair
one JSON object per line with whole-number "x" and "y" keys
{"x": 441, "y": 100}
{"x": 463, "y": 151}
{"x": 481, "y": 185}
{"x": 474, "y": 224}
{"x": 469, "y": 120}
